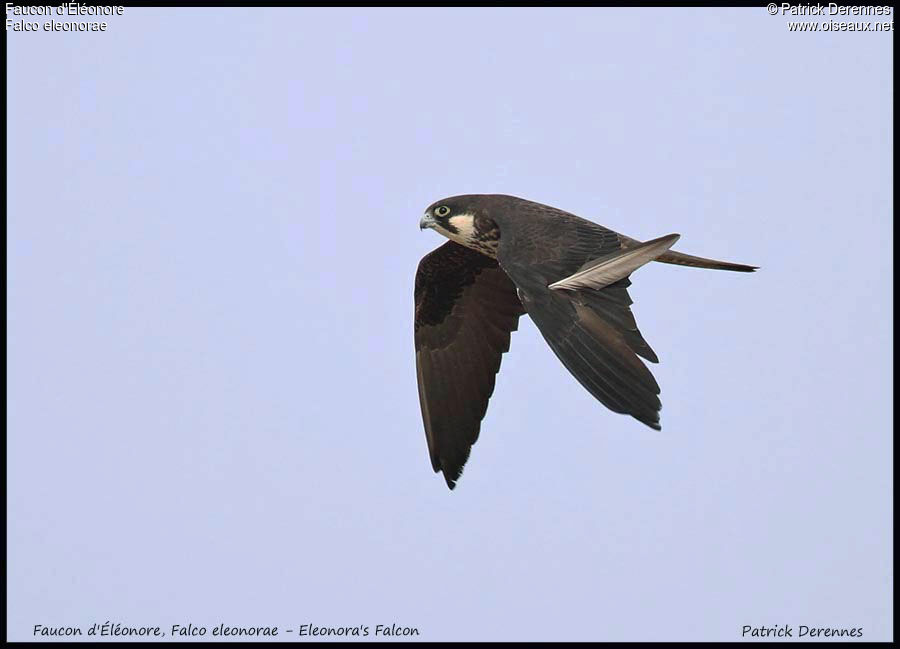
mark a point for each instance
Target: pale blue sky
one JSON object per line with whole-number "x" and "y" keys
{"x": 212, "y": 239}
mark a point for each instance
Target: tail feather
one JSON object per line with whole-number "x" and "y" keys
{"x": 672, "y": 257}
{"x": 681, "y": 259}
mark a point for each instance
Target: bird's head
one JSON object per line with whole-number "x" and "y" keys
{"x": 452, "y": 217}
{"x": 463, "y": 219}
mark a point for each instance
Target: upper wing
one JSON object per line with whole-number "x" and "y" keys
{"x": 466, "y": 307}
{"x": 592, "y": 331}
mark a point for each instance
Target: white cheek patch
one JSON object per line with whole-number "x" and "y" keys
{"x": 465, "y": 226}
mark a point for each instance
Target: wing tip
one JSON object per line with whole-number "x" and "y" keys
{"x": 452, "y": 470}
{"x": 451, "y": 479}
{"x": 650, "y": 422}
{"x": 646, "y": 352}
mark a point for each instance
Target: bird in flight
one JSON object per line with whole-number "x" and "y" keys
{"x": 508, "y": 256}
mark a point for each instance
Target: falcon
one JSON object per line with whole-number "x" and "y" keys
{"x": 507, "y": 256}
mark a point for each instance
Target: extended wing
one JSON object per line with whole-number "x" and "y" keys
{"x": 466, "y": 308}
{"x": 591, "y": 330}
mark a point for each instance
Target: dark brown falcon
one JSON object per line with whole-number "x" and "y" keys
{"x": 506, "y": 257}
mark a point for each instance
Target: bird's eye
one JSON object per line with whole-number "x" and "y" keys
{"x": 442, "y": 210}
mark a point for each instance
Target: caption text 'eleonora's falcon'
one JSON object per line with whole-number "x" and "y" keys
{"x": 506, "y": 257}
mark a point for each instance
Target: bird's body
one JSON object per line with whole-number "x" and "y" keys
{"x": 506, "y": 257}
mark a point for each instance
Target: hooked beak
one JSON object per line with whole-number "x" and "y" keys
{"x": 427, "y": 221}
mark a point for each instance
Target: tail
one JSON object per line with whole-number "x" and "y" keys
{"x": 681, "y": 259}
{"x": 672, "y": 257}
